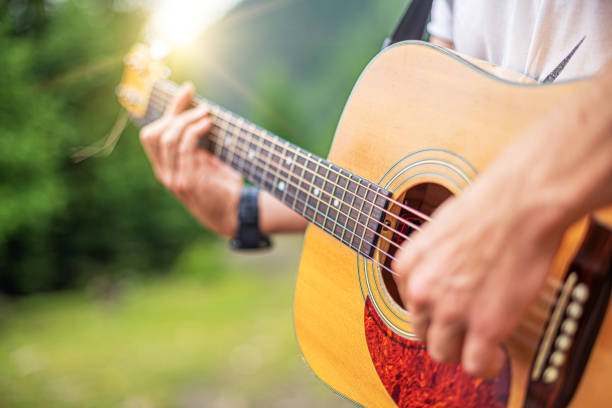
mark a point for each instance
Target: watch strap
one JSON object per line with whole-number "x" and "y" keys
{"x": 249, "y": 236}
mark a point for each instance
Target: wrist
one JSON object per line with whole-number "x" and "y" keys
{"x": 231, "y": 220}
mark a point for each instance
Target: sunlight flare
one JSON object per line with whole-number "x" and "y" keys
{"x": 175, "y": 23}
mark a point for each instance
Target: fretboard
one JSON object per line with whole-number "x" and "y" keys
{"x": 343, "y": 204}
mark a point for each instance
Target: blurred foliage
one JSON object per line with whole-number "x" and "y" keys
{"x": 62, "y": 222}
{"x": 287, "y": 65}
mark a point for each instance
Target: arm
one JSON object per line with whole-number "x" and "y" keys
{"x": 467, "y": 288}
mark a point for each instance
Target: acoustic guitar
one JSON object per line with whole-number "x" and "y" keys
{"x": 394, "y": 159}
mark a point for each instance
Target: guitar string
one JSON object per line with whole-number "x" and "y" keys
{"x": 331, "y": 195}
{"x": 334, "y": 184}
{"x": 551, "y": 281}
{"x": 243, "y": 146}
{"x": 319, "y": 200}
{"x": 329, "y": 205}
{"x": 278, "y": 169}
{"x": 523, "y": 338}
{"x": 317, "y": 175}
{"x": 167, "y": 97}
{"x": 526, "y": 340}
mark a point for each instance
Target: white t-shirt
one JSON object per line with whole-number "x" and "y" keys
{"x": 529, "y": 36}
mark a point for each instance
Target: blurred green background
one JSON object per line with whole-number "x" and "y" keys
{"x": 111, "y": 295}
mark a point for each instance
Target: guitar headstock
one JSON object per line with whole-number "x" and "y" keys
{"x": 141, "y": 72}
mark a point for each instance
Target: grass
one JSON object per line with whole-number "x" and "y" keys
{"x": 196, "y": 338}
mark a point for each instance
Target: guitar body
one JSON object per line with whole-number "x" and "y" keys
{"x": 419, "y": 114}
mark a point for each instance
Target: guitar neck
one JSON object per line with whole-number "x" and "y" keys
{"x": 343, "y": 204}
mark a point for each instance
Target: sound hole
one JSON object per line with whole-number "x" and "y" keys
{"x": 425, "y": 197}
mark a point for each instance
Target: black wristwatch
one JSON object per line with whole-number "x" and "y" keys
{"x": 249, "y": 236}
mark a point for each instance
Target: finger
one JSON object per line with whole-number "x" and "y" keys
{"x": 189, "y": 166}
{"x": 181, "y": 100}
{"x": 482, "y": 357}
{"x": 193, "y": 134}
{"x": 420, "y": 325}
{"x": 149, "y": 138}
{"x": 172, "y": 137}
{"x": 445, "y": 341}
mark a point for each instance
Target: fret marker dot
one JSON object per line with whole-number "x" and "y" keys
{"x": 281, "y": 185}
{"x": 316, "y": 191}
{"x": 251, "y": 155}
{"x": 336, "y": 202}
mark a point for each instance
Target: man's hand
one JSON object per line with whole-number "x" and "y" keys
{"x": 468, "y": 276}
{"x": 206, "y": 186}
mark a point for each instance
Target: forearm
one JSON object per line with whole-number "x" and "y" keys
{"x": 275, "y": 217}
{"x": 566, "y": 160}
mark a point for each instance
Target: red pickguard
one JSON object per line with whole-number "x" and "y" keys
{"x": 413, "y": 380}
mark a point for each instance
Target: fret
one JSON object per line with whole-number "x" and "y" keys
{"x": 329, "y": 216}
{"x": 218, "y": 146}
{"x": 340, "y": 216}
{"x": 269, "y": 176}
{"x": 284, "y": 174}
{"x": 318, "y": 182}
{"x": 294, "y": 181}
{"x": 260, "y": 173}
{"x": 370, "y": 247}
{"x": 312, "y": 191}
{"x": 231, "y": 143}
{"x": 350, "y": 222}
{"x": 247, "y": 162}
{"x": 302, "y": 197}
{"x": 359, "y": 229}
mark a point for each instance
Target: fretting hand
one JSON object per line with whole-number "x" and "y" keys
{"x": 206, "y": 186}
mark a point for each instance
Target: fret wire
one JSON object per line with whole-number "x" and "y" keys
{"x": 366, "y": 226}
{"x": 331, "y": 203}
{"x": 292, "y": 172}
{"x": 301, "y": 180}
{"x": 261, "y": 144}
{"x": 352, "y": 204}
{"x": 283, "y": 160}
{"x": 359, "y": 214}
{"x": 369, "y": 216}
{"x": 320, "y": 190}
{"x": 227, "y": 143}
{"x": 378, "y": 193}
{"x": 320, "y": 195}
{"x": 257, "y": 154}
{"x": 271, "y": 153}
{"x": 340, "y": 205}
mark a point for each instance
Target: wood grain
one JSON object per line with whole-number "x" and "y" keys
{"x": 413, "y": 97}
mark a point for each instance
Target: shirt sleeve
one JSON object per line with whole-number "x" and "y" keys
{"x": 441, "y": 24}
